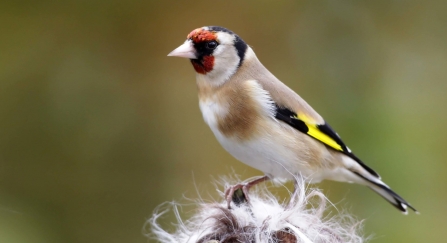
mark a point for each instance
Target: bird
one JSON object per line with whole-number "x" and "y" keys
{"x": 263, "y": 123}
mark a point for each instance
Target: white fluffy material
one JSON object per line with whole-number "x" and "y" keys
{"x": 264, "y": 220}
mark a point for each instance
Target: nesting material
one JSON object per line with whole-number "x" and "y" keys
{"x": 263, "y": 220}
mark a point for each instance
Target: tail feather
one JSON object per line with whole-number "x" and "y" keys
{"x": 392, "y": 197}
{"x": 385, "y": 191}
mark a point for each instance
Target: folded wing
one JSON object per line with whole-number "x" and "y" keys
{"x": 321, "y": 132}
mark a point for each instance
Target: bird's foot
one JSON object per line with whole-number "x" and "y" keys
{"x": 239, "y": 192}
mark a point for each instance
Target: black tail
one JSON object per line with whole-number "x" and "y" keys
{"x": 385, "y": 191}
{"x": 392, "y": 197}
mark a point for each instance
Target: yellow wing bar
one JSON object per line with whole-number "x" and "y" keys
{"x": 316, "y": 133}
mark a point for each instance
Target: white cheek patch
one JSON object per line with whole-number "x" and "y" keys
{"x": 219, "y": 49}
{"x": 226, "y": 60}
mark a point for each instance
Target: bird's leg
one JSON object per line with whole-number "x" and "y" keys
{"x": 245, "y": 188}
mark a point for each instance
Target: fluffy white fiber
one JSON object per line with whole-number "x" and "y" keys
{"x": 263, "y": 220}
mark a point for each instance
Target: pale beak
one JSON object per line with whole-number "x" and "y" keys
{"x": 186, "y": 50}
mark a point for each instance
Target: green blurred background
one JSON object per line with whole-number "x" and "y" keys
{"x": 98, "y": 126}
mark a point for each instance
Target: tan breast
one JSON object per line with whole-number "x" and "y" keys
{"x": 239, "y": 112}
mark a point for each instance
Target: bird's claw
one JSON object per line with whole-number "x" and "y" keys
{"x": 238, "y": 194}
{"x": 232, "y": 194}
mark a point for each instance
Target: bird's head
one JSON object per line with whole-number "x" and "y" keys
{"x": 214, "y": 51}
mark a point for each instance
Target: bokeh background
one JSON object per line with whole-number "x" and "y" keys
{"x": 98, "y": 126}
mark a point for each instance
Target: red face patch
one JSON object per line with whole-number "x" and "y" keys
{"x": 205, "y": 66}
{"x": 206, "y": 62}
{"x": 201, "y": 35}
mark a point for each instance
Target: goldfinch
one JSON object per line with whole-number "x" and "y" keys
{"x": 265, "y": 124}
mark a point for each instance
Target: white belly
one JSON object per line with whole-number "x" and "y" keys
{"x": 272, "y": 159}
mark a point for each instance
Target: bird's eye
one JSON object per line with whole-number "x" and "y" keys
{"x": 211, "y": 45}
